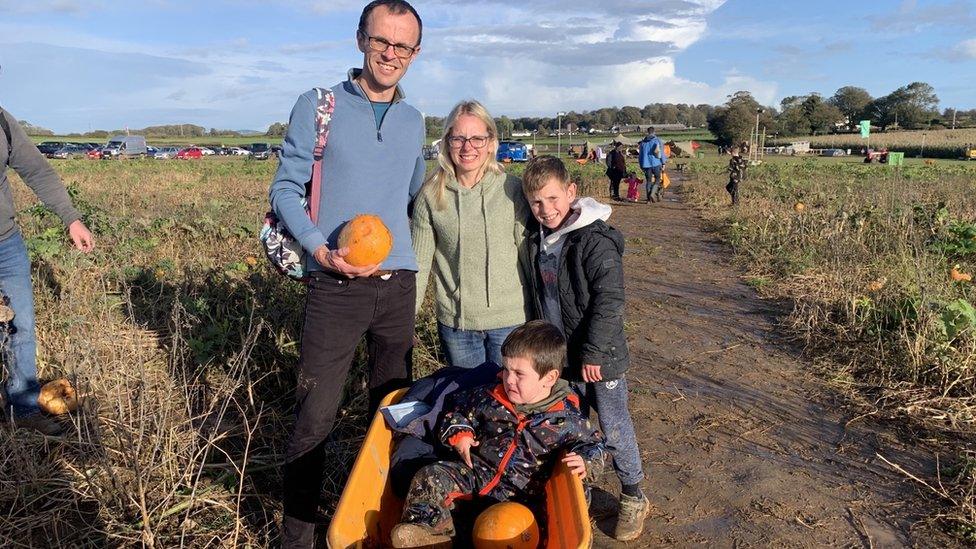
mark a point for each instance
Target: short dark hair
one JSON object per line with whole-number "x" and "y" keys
{"x": 540, "y": 342}
{"x": 650, "y": 129}
{"x": 396, "y": 7}
{"x": 540, "y": 170}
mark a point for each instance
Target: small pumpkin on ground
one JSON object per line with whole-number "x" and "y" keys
{"x": 58, "y": 397}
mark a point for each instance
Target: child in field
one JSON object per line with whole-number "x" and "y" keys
{"x": 579, "y": 287}
{"x": 737, "y": 171}
{"x": 507, "y": 435}
{"x": 633, "y": 187}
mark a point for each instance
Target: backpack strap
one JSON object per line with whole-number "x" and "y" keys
{"x": 6, "y": 132}
{"x": 324, "y": 108}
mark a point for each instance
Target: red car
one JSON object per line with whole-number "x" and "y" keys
{"x": 95, "y": 154}
{"x": 189, "y": 152}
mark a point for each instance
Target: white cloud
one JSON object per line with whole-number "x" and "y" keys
{"x": 966, "y": 48}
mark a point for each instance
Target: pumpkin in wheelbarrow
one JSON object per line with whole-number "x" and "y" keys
{"x": 506, "y": 525}
{"x": 368, "y": 509}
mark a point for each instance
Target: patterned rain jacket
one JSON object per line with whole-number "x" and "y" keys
{"x": 516, "y": 451}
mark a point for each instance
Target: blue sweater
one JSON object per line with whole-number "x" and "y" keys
{"x": 364, "y": 170}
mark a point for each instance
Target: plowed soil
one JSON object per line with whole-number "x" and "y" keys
{"x": 743, "y": 446}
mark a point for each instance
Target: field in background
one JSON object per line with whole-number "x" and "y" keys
{"x": 863, "y": 255}
{"x": 927, "y": 144}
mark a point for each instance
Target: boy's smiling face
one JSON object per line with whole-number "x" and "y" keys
{"x": 551, "y": 204}
{"x": 522, "y": 384}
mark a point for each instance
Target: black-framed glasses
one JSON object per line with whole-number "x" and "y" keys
{"x": 476, "y": 141}
{"x": 376, "y": 43}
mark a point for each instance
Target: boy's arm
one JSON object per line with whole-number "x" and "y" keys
{"x": 588, "y": 443}
{"x": 459, "y": 421}
{"x": 604, "y": 270}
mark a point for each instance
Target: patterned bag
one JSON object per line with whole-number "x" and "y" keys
{"x": 283, "y": 251}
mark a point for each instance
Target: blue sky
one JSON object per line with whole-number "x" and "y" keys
{"x": 74, "y": 65}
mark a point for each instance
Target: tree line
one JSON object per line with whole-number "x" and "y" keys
{"x": 912, "y": 106}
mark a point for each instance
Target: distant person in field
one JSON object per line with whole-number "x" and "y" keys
{"x": 652, "y": 161}
{"x": 616, "y": 169}
{"x": 469, "y": 237}
{"x": 18, "y": 344}
{"x": 578, "y": 286}
{"x": 373, "y": 163}
{"x": 737, "y": 171}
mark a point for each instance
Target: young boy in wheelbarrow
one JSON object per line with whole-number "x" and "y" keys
{"x": 507, "y": 436}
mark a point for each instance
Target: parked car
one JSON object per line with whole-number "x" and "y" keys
{"x": 151, "y": 151}
{"x": 70, "y": 150}
{"x": 166, "y": 153}
{"x": 260, "y": 151}
{"x": 430, "y": 152}
{"x": 189, "y": 153}
{"x": 238, "y": 151}
{"x": 48, "y": 147}
{"x": 512, "y": 151}
{"x": 125, "y": 146}
{"x": 95, "y": 154}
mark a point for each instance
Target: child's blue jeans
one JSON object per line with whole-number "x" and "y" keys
{"x": 609, "y": 399}
{"x": 19, "y": 346}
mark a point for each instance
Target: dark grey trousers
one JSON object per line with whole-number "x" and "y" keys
{"x": 338, "y": 313}
{"x": 609, "y": 399}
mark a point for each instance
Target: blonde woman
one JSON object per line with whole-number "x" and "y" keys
{"x": 468, "y": 234}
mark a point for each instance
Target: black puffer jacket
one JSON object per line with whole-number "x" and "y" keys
{"x": 591, "y": 298}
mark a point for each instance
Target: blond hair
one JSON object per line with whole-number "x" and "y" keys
{"x": 445, "y": 168}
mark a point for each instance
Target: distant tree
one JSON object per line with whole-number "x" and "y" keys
{"x": 734, "y": 121}
{"x": 434, "y": 126}
{"x": 278, "y": 129}
{"x": 852, "y": 102}
{"x": 31, "y": 129}
{"x": 505, "y": 126}
{"x": 628, "y": 115}
{"x": 910, "y": 107}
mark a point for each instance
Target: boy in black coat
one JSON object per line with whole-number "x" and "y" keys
{"x": 579, "y": 286}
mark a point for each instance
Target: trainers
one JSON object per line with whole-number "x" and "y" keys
{"x": 408, "y": 534}
{"x": 40, "y": 423}
{"x": 630, "y": 517}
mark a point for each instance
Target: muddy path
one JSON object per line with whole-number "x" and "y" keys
{"x": 742, "y": 446}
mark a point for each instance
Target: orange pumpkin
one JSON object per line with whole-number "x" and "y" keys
{"x": 368, "y": 239}
{"x": 58, "y": 397}
{"x": 506, "y": 525}
{"x": 960, "y": 276}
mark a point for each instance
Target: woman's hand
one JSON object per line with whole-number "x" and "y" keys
{"x": 576, "y": 464}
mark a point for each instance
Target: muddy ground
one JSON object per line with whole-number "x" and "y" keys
{"x": 743, "y": 446}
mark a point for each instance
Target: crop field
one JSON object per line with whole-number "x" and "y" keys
{"x": 928, "y": 144}
{"x": 183, "y": 341}
{"x": 872, "y": 261}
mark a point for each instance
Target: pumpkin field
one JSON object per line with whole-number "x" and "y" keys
{"x": 182, "y": 341}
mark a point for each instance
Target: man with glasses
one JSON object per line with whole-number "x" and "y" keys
{"x": 372, "y": 164}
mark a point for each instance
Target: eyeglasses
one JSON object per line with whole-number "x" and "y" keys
{"x": 476, "y": 141}
{"x": 402, "y": 51}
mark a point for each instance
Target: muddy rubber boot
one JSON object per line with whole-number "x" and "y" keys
{"x": 408, "y": 534}
{"x": 630, "y": 517}
{"x": 656, "y": 193}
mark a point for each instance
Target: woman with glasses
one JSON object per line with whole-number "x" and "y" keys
{"x": 468, "y": 232}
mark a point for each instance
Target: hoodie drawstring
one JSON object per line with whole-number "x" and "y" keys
{"x": 484, "y": 217}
